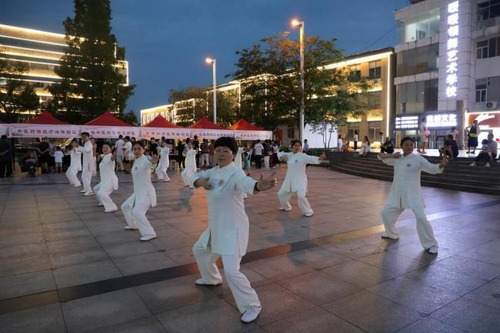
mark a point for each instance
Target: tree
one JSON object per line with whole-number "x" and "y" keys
{"x": 271, "y": 82}
{"x": 90, "y": 68}
{"x": 130, "y": 118}
{"x": 16, "y": 95}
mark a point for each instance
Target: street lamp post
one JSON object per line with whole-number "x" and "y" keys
{"x": 300, "y": 24}
{"x": 212, "y": 61}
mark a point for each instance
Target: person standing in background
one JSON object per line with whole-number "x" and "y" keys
{"x": 424, "y": 137}
{"x": 119, "y": 152}
{"x": 257, "y": 153}
{"x": 88, "y": 165}
{"x": 75, "y": 164}
{"x": 161, "y": 170}
{"x": 356, "y": 139}
{"x": 5, "y": 157}
{"x": 305, "y": 147}
{"x": 473, "y": 134}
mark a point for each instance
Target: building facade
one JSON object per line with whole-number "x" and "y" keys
{"x": 448, "y": 68}
{"x": 40, "y": 51}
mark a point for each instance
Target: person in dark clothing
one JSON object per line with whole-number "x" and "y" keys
{"x": 450, "y": 147}
{"x": 5, "y": 157}
{"x": 387, "y": 146}
{"x": 44, "y": 151}
{"x": 182, "y": 150}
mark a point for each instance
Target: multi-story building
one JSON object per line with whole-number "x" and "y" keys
{"x": 40, "y": 51}
{"x": 448, "y": 68}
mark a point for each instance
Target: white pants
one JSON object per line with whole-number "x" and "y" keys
{"x": 86, "y": 180}
{"x": 71, "y": 175}
{"x": 204, "y": 159}
{"x": 244, "y": 295}
{"x": 135, "y": 215}
{"x": 390, "y": 215}
{"x": 161, "y": 172}
{"x": 102, "y": 192}
{"x": 119, "y": 162}
{"x": 284, "y": 197}
{"x": 266, "y": 162}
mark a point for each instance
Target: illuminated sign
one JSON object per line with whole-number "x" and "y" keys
{"x": 452, "y": 50}
{"x": 406, "y": 122}
{"x": 441, "y": 120}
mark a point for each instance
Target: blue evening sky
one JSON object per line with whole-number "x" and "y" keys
{"x": 167, "y": 41}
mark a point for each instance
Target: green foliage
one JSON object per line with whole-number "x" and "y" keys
{"x": 90, "y": 69}
{"x": 130, "y": 118}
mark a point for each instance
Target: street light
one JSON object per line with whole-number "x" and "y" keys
{"x": 212, "y": 61}
{"x": 300, "y": 24}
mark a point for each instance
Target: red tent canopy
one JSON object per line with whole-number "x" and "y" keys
{"x": 46, "y": 118}
{"x": 160, "y": 121}
{"x": 204, "y": 123}
{"x": 243, "y": 125}
{"x": 107, "y": 119}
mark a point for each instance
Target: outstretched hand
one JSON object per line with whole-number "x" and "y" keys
{"x": 154, "y": 159}
{"x": 444, "y": 162}
{"x": 322, "y": 156}
{"x": 203, "y": 182}
{"x": 265, "y": 184}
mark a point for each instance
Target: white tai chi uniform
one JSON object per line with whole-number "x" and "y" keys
{"x": 406, "y": 193}
{"x": 296, "y": 181}
{"x": 74, "y": 166}
{"x": 119, "y": 153}
{"x": 227, "y": 233}
{"x": 109, "y": 182}
{"x": 88, "y": 166}
{"x": 190, "y": 166}
{"x": 163, "y": 164}
{"x": 238, "y": 159}
{"x": 135, "y": 207}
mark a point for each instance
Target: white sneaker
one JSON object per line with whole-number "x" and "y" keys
{"x": 308, "y": 214}
{"x": 201, "y": 282}
{"x": 147, "y": 238}
{"x": 285, "y": 209}
{"x": 473, "y": 164}
{"x": 386, "y": 236}
{"x": 487, "y": 164}
{"x": 83, "y": 191}
{"x": 433, "y": 249}
{"x": 251, "y": 314}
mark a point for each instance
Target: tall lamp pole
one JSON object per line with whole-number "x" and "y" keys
{"x": 300, "y": 24}
{"x": 212, "y": 61}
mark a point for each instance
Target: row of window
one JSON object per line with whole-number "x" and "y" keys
{"x": 488, "y": 89}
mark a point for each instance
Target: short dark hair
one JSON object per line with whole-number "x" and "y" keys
{"x": 138, "y": 143}
{"x": 294, "y": 142}
{"x": 86, "y": 133}
{"x": 226, "y": 141}
{"x": 406, "y": 138}
{"x": 107, "y": 144}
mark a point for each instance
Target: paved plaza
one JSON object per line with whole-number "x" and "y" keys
{"x": 66, "y": 266}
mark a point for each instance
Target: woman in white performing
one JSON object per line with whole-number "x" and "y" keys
{"x": 75, "y": 164}
{"x": 135, "y": 207}
{"x": 190, "y": 165}
{"x": 228, "y": 229}
{"x": 406, "y": 192}
{"x": 109, "y": 181}
{"x": 88, "y": 166}
{"x": 164, "y": 163}
{"x": 296, "y": 178}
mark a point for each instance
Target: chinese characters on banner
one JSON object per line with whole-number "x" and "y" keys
{"x": 452, "y": 50}
{"x": 40, "y": 130}
{"x": 441, "y": 120}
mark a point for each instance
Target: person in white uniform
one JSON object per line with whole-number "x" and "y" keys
{"x": 88, "y": 165}
{"x": 109, "y": 181}
{"x": 75, "y": 164}
{"x": 406, "y": 192}
{"x": 190, "y": 165}
{"x": 161, "y": 170}
{"x": 296, "y": 178}
{"x": 135, "y": 207}
{"x": 228, "y": 228}
{"x": 119, "y": 144}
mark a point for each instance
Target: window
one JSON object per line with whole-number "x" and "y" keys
{"x": 375, "y": 71}
{"x": 488, "y": 48}
{"x": 481, "y": 91}
{"x": 482, "y": 49}
{"x": 488, "y": 9}
{"x": 291, "y": 132}
{"x": 374, "y": 129}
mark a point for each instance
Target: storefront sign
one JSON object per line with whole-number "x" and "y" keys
{"x": 441, "y": 120}
{"x": 452, "y": 50}
{"x": 406, "y": 122}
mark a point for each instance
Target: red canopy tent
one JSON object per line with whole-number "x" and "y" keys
{"x": 161, "y": 127}
{"x": 206, "y": 129}
{"x": 243, "y": 125}
{"x": 243, "y": 130}
{"x": 108, "y": 126}
{"x": 45, "y": 125}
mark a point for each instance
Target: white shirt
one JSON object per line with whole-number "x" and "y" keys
{"x": 296, "y": 178}
{"x": 58, "y": 156}
{"x": 227, "y": 221}
{"x": 107, "y": 171}
{"x": 119, "y": 147}
{"x": 76, "y": 160}
{"x": 191, "y": 161}
{"x": 257, "y": 149}
{"x": 141, "y": 176}
{"x": 88, "y": 157}
{"x": 164, "y": 158}
{"x": 238, "y": 161}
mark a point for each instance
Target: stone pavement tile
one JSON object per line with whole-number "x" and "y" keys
{"x": 279, "y": 268}
{"x": 85, "y": 273}
{"x": 483, "y": 253}
{"x": 66, "y": 233}
{"x": 491, "y": 246}
{"x": 488, "y": 294}
{"x": 143, "y": 263}
{"x": 396, "y": 263}
{"x": 25, "y": 284}
{"x": 223, "y": 291}
{"x": 26, "y": 264}
{"x": 122, "y": 236}
{"x": 469, "y": 316}
{"x": 358, "y": 246}
{"x": 318, "y": 287}
{"x": 429, "y": 324}
{"x": 373, "y": 313}
{"x": 21, "y": 239}
{"x": 114, "y": 308}
{"x": 141, "y": 325}
{"x": 313, "y": 320}
{"x": 171, "y": 238}
{"x": 46, "y": 318}
{"x": 59, "y": 218}
{"x": 209, "y": 315}
{"x": 130, "y": 248}
{"x": 425, "y": 298}
{"x": 63, "y": 259}
{"x": 359, "y": 273}
{"x": 175, "y": 293}
{"x": 317, "y": 257}
{"x": 470, "y": 267}
{"x": 181, "y": 255}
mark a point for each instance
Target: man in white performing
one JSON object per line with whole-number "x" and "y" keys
{"x": 88, "y": 165}
{"x": 406, "y": 192}
{"x": 228, "y": 227}
{"x": 119, "y": 144}
{"x": 161, "y": 170}
{"x": 296, "y": 178}
{"x": 75, "y": 164}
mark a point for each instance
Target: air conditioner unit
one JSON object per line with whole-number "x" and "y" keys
{"x": 491, "y": 105}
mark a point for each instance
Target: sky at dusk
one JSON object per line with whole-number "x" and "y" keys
{"x": 167, "y": 41}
